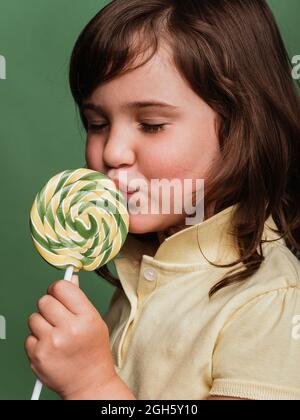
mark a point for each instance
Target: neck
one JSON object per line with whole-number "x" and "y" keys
{"x": 162, "y": 235}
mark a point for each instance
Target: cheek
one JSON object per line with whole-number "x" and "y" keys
{"x": 157, "y": 162}
{"x": 93, "y": 154}
{"x": 193, "y": 154}
{"x": 188, "y": 158}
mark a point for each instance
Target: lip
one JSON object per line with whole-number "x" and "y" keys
{"x": 124, "y": 188}
{"x": 128, "y": 192}
{"x": 127, "y": 196}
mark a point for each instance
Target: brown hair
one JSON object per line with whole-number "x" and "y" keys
{"x": 232, "y": 55}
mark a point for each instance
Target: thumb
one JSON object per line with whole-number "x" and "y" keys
{"x": 75, "y": 279}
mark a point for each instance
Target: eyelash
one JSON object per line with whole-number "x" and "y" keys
{"x": 153, "y": 128}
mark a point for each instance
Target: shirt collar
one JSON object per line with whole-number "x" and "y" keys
{"x": 210, "y": 240}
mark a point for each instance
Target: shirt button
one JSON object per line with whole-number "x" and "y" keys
{"x": 150, "y": 274}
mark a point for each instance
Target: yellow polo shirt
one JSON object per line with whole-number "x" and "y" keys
{"x": 169, "y": 341}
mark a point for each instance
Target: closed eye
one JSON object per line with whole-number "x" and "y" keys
{"x": 148, "y": 128}
{"x": 152, "y": 128}
{"x": 97, "y": 127}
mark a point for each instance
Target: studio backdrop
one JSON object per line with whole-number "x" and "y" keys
{"x": 40, "y": 136}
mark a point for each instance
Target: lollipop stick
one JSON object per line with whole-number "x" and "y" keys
{"x": 69, "y": 273}
{"x": 38, "y": 385}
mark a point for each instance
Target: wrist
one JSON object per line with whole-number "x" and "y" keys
{"x": 88, "y": 386}
{"x": 114, "y": 389}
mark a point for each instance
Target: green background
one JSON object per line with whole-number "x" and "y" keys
{"x": 41, "y": 135}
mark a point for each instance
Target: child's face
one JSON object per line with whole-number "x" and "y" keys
{"x": 183, "y": 149}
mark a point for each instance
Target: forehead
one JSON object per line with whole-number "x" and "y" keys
{"x": 157, "y": 79}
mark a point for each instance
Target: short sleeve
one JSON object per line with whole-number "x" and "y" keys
{"x": 257, "y": 354}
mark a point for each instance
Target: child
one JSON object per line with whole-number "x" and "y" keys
{"x": 186, "y": 90}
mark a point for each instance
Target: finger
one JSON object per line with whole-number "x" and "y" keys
{"x": 75, "y": 279}
{"x": 38, "y": 326}
{"x": 53, "y": 311}
{"x": 71, "y": 297}
{"x": 30, "y": 344}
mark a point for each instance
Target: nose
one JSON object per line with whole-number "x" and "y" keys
{"x": 119, "y": 150}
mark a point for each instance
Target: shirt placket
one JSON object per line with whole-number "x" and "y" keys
{"x": 148, "y": 282}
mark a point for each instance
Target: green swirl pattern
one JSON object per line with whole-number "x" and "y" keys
{"x": 79, "y": 219}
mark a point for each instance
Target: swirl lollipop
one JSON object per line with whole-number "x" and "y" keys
{"x": 78, "y": 221}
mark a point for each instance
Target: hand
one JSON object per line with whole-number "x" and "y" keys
{"x": 69, "y": 343}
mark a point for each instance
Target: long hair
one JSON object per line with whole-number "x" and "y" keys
{"x": 232, "y": 55}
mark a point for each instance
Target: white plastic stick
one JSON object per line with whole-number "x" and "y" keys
{"x": 38, "y": 385}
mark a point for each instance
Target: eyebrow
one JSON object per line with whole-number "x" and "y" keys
{"x": 131, "y": 105}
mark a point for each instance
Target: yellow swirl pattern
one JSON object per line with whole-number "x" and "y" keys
{"x": 79, "y": 219}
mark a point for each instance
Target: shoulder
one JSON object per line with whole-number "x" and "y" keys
{"x": 275, "y": 283}
{"x": 280, "y": 269}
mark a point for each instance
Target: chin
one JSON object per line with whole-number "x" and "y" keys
{"x": 145, "y": 223}
{"x": 142, "y": 223}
